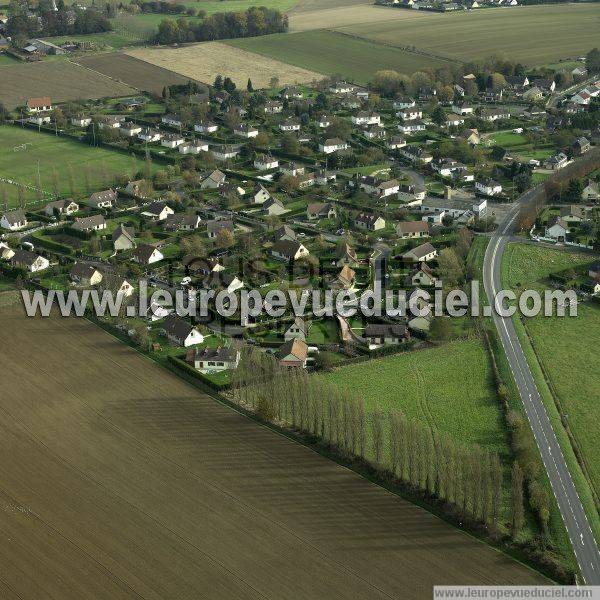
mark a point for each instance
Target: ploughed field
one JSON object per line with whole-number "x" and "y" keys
{"x": 121, "y": 481}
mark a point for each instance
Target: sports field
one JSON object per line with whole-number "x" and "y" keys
{"x": 60, "y": 160}
{"x": 332, "y": 53}
{"x": 447, "y": 387}
{"x": 124, "y": 482}
{"x": 203, "y": 62}
{"x": 530, "y": 34}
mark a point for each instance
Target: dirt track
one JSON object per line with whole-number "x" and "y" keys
{"x": 120, "y": 481}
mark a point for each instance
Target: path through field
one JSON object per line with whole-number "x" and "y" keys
{"x": 120, "y": 481}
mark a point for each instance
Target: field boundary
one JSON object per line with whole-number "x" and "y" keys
{"x": 407, "y": 49}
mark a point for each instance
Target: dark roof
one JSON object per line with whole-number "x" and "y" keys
{"x": 23, "y": 257}
{"x": 216, "y": 225}
{"x": 85, "y": 223}
{"x": 397, "y": 330}
{"x": 177, "y": 327}
{"x": 287, "y": 248}
{"x": 219, "y": 353}
{"x": 128, "y": 232}
{"x": 15, "y": 216}
{"x": 81, "y": 269}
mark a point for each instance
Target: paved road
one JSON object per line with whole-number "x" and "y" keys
{"x": 574, "y": 517}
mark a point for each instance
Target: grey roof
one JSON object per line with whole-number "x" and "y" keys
{"x": 216, "y": 354}
{"x": 177, "y": 327}
{"x": 286, "y": 248}
{"x": 397, "y": 330}
{"x": 122, "y": 230}
{"x": 15, "y": 216}
{"x": 85, "y": 223}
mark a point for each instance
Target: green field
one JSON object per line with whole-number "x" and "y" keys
{"x": 331, "y": 53}
{"x": 530, "y": 34}
{"x": 61, "y": 155}
{"x": 567, "y": 348}
{"x": 447, "y": 387}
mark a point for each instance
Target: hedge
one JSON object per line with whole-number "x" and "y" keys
{"x": 53, "y": 246}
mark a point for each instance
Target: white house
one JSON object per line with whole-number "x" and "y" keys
{"x": 488, "y": 187}
{"x": 172, "y": 140}
{"x": 23, "y": 259}
{"x": 80, "y": 121}
{"x": 214, "y": 360}
{"x": 410, "y": 114}
{"x": 290, "y": 124}
{"x": 180, "y": 332}
{"x": 130, "y": 129}
{"x": 42, "y": 104}
{"x": 288, "y": 250}
{"x": 264, "y": 162}
{"x": 423, "y": 253}
{"x": 172, "y": 120}
{"x": 225, "y": 152}
{"x": 146, "y": 254}
{"x": 206, "y": 127}
{"x": 557, "y": 229}
{"x": 150, "y": 135}
{"x": 193, "y": 147}
{"x": 13, "y": 220}
{"x": 244, "y": 130}
{"x": 332, "y": 145}
{"x": 157, "y": 211}
{"x": 366, "y": 118}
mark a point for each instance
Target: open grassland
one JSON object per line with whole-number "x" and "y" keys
{"x": 566, "y": 347}
{"x": 61, "y": 161}
{"x": 205, "y": 61}
{"x": 333, "y": 53}
{"x": 530, "y": 34}
{"x": 126, "y": 482}
{"x": 61, "y": 80}
{"x": 133, "y": 71}
{"x": 447, "y": 388}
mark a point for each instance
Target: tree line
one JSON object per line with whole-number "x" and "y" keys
{"x": 467, "y": 480}
{"x": 252, "y": 22}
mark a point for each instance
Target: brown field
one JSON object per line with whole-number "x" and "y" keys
{"x": 314, "y": 16}
{"x": 120, "y": 481}
{"x": 132, "y": 71}
{"x": 310, "y": 5}
{"x": 60, "y": 79}
{"x": 205, "y": 61}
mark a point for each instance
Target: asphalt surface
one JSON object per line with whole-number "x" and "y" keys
{"x": 573, "y": 514}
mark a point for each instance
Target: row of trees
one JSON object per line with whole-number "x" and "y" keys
{"x": 469, "y": 480}
{"x": 254, "y": 21}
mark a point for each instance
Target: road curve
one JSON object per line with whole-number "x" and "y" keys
{"x": 573, "y": 514}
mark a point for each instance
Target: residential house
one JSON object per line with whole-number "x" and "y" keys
{"x": 214, "y": 227}
{"x": 182, "y": 222}
{"x": 292, "y": 169}
{"x": 85, "y": 274}
{"x": 374, "y": 132}
{"x": 366, "y": 118}
{"x": 88, "y": 224}
{"x": 346, "y": 255}
{"x": 273, "y": 207}
{"x": 130, "y": 129}
{"x": 289, "y": 250}
{"x": 574, "y": 213}
{"x": 416, "y": 154}
{"x": 423, "y": 276}
{"x": 103, "y": 199}
{"x": 206, "y": 127}
{"x": 332, "y": 145}
{"x": 214, "y": 360}
{"x": 244, "y": 130}
{"x": 488, "y": 187}
{"x": 454, "y": 120}
{"x": 581, "y": 146}
{"x": 423, "y": 253}
{"x": 137, "y": 189}
{"x": 259, "y": 194}
{"x": 345, "y": 279}
{"x": 273, "y": 107}
{"x": 147, "y": 254}
{"x": 546, "y": 85}
{"x": 123, "y": 238}
{"x": 591, "y": 191}
{"x": 556, "y": 229}
{"x": 323, "y": 121}
{"x": 172, "y": 120}
{"x": 320, "y": 210}
{"x": 225, "y": 151}
{"x": 556, "y": 162}
{"x": 412, "y": 229}
{"x": 410, "y": 114}
{"x": 285, "y": 232}
{"x": 157, "y": 211}
{"x": 396, "y": 142}
{"x": 377, "y": 187}
{"x": 149, "y": 135}
{"x": 369, "y": 222}
{"x": 213, "y": 180}
{"x": 264, "y": 163}
{"x": 42, "y": 104}
{"x": 291, "y": 93}
{"x": 13, "y": 220}
{"x": 494, "y": 114}
{"x": 80, "y": 121}
{"x": 290, "y": 124}
{"x": 408, "y": 127}
{"x": 383, "y": 334}
{"x": 406, "y": 102}
{"x": 172, "y": 140}
{"x": 111, "y": 122}
{"x": 180, "y": 332}
{"x": 297, "y": 330}
{"x": 23, "y": 259}
{"x": 193, "y": 147}
{"x": 533, "y": 94}
{"x": 293, "y": 353}
{"x": 460, "y": 108}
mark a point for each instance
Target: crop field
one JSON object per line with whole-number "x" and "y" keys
{"x": 530, "y": 34}
{"x": 61, "y": 80}
{"x": 333, "y": 53}
{"x": 132, "y": 71}
{"x": 62, "y": 162}
{"x": 126, "y": 482}
{"x": 203, "y": 62}
{"x": 447, "y": 387}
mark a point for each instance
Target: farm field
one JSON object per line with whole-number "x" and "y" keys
{"x": 566, "y": 347}
{"x": 332, "y": 53}
{"x": 447, "y": 387}
{"x": 144, "y": 487}
{"x": 132, "y": 71}
{"x": 71, "y": 160}
{"x": 204, "y": 61}
{"x": 530, "y": 34}
{"x": 61, "y": 80}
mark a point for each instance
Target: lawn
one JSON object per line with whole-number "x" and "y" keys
{"x": 447, "y": 387}
{"x": 26, "y": 150}
{"x": 530, "y": 34}
{"x": 332, "y": 53}
{"x": 508, "y": 139}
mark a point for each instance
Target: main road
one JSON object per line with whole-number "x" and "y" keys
{"x": 573, "y": 514}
